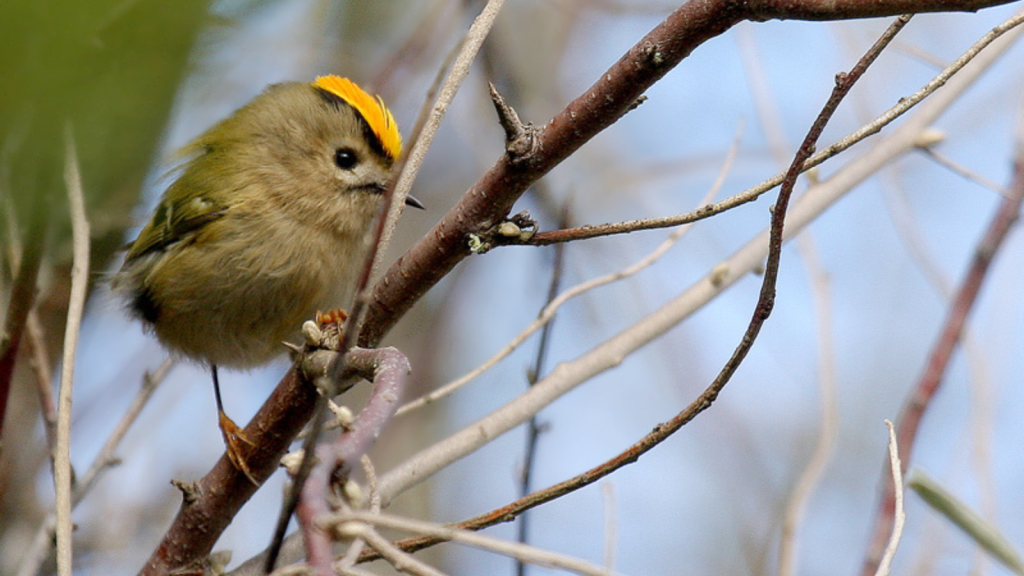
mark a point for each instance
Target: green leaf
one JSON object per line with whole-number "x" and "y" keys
{"x": 985, "y": 534}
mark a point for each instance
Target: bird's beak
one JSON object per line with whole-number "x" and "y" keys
{"x": 411, "y": 200}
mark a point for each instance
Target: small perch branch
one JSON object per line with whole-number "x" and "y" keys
{"x": 388, "y": 369}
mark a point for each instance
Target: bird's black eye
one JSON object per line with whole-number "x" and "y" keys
{"x": 345, "y": 158}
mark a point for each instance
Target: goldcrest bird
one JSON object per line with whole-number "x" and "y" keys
{"x": 266, "y": 224}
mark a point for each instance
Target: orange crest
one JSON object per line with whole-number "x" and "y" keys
{"x": 371, "y": 108}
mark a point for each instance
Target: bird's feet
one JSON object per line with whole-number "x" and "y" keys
{"x": 235, "y": 441}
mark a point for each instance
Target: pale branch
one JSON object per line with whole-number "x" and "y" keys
{"x": 76, "y": 308}
{"x": 351, "y": 556}
{"x": 899, "y": 517}
{"x": 448, "y": 533}
{"x": 824, "y": 446}
{"x": 964, "y": 171}
{"x": 475, "y": 36}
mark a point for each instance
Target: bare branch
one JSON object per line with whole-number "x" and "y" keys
{"x": 899, "y": 517}
{"x": 475, "y": 37}
{"x": 447, "y": 533}
{"x": 967, "y": 173}
{"x": 44, "y": 379}
{"x": 755, "y": 192}
{"x": 223, "y": 490}
{"x": 76, "y": 307}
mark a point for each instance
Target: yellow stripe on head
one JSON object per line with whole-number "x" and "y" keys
{"x": 371, "y": 108}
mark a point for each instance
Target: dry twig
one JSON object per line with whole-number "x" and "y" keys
{"x": 76, "y": 306}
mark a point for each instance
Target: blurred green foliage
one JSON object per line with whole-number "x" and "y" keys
{"x": 108, "y": 68}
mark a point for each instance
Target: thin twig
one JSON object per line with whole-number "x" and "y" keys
{"x": 294, "y": 490}
{"x": 107, "y": 454}
{"x": 921, "y": 54}
{"x": 812, "y": 472}
{"x": 351, "y": 556}
{"x": 76, "y": 307}
{"x": 511, "y": 549}
{"x": 967, "y": 173}
{"x": 40, "y": 362}
{"x": 899, "y": 517}
{"x": 475, "y": 37}
{"x": 399, "y": 559}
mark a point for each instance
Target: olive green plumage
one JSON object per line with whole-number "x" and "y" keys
{"x": 266, "y": 223}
